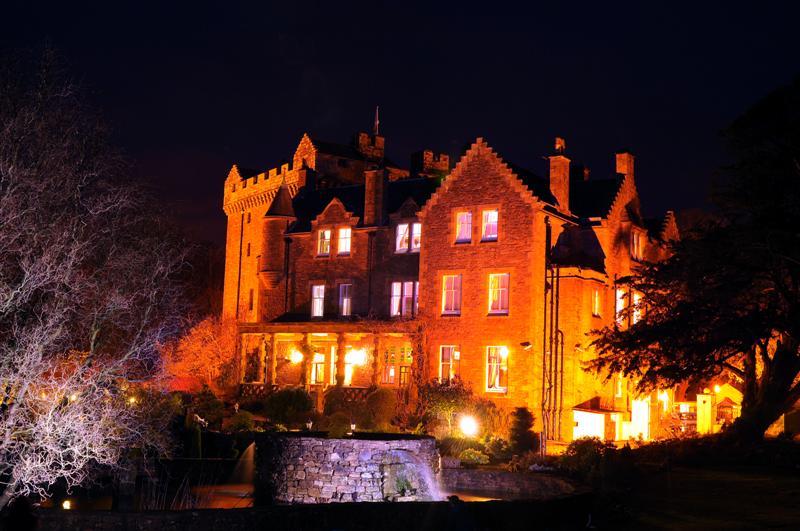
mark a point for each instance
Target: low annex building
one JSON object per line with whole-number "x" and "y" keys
{"x": 343, "y": 268}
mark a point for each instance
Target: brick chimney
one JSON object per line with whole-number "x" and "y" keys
{"x": 374, "y": 183}
{"x": 624, "y": 160}
{"x": 559, "y": 174}
{"x": 371, "y": 146}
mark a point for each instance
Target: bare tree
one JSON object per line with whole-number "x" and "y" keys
{"x": 86, "y": 292}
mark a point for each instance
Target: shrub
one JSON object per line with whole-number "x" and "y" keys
{"x": 584, "y": 458}
{"x": 497, "y": 448}
{"x": 241, "y": 421}
{"x": 335, "y": 401}
{"x": 337, "y": 424}
{"x": 473, "y": 457}
{"x": 253, "y": 405}
{"x": 522, "y": 438}
{"x": 443, "y": 400}
{"x": 453, "y": 446}
{"x": 381, "y": 405}
{"x": 490, "y": 418}
{"x": 524, "y": 462}
{"x": 210, "y": 408}
{"x": 288, "y": 406}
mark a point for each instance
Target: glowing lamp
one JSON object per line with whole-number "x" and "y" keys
{"x": 356, "y": 357}
{"x": 73, "y": 397}
{"x": 717, "y": 388}
{"x": 295, "y": 357}
{"x": 468, "y": 425}
{"x": 132, "y": 400}
{"x": 504, "y": 352}
{"x": 319, "y": 358}
{"x": 66, "y": 505}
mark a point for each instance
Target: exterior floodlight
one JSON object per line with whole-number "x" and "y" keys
{"x": 296, "y": 357}
{"x": 717, "y": 388}
{"x": 526, "y": 345}
{"x": 66, "y": 505}
{"x": 468, "y": 425}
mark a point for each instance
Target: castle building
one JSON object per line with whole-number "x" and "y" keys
{"x": 344, "y": 269}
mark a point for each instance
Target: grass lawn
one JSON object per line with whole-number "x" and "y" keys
{"x": 711, "y": 498}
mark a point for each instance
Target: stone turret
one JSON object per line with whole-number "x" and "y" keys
{"x": 277, "y": 219}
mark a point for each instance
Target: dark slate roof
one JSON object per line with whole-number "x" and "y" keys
{"x": 539, "y": 186}
{"x": 593, "y": 198}
{"x": 308, "y": 204}
{"x": 339, "y": 150}
{"x": 281, "y": 205}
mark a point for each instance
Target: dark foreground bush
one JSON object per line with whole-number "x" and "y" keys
{"x": 522, "y": 438}
{"x": 453, "y": 446}
{"x": 288, "y": 406}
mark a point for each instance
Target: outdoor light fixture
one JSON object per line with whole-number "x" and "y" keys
{"x": 73, "y": 397}
{"x": 526, "y": 345}
{"x": 717, "y": 388}
{"x": 468, "y": 425}
{"x": 309, "y": 424}
{"x": 357, "y": 356}
{"x": 66, "y": 505}
{"x": 352, "y": 428}
{"x": 132, "y": 400}
{"x": 295, "y": 357}
{"x": 504, "y": 352}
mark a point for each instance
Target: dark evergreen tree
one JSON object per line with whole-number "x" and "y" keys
{"x": 523, "y": 439}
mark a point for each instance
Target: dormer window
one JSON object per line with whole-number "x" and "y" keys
{"x": 637, "y": 245}
{"x": 408, "y": 237}
{"x": 416, "y": 237}
{"x": 343, "y": 246}
{"x": 489, "y": 232}
{"x": 324, "y": 242}
{"x": 401, "y": 238}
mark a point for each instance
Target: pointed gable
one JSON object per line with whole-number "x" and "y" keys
{"x": 480, "y": 156}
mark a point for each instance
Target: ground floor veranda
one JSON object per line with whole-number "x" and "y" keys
{"x": 320, "y": 355}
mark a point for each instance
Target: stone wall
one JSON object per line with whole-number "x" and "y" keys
{"x": 519, "y": 485}
{"x": 300, "y": 468}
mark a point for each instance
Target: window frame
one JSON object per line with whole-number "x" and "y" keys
{"x": 398, "y": 301}
{"x": 597, "y": 306}
{"x": 485, "y": 224}
{"x": 453, "y": 364}
{"x": 500, "y": 289}
{"x": 502, "y": 367}
{"x": 321, "y": 300}
{"x": 457, "y": 240}
{"x": 349, "y": 298}
{"x": 415, "y": 236}
{"x": 459, "y": 290}
{"x": 321, "y": 239}
{"x": 349, "y": 239}
{"x": 402, "y": 249}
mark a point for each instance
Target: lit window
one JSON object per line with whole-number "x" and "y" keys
{"x": 317, "y": 300}
{"x": 451, "y": 294}
{"x": 489, "y": 232}
{"x": 448, "y": 362}
{"x": 318, "y": 369}
{"x": 416, "y": 237}
{"x": 463, "y": 227}
{"x": 344, "y": 240}
{"x": 403, "y": 299}
{"x": 496, "y": 369}
{"x": 324, "y": 242}
{"x": 498, "y": 293}
{"x": 596, "y": 302}
{"x": 619, "y": 387}
{"x": 636, "y": 245}
{"x": 345, "y": 299}
{"x": 389, "y": 366}
{"x": 405, "y": 373}
{"x": 619, "y": 305}
{"x": 637, "y": 307}
{"x": 401, "y": 240}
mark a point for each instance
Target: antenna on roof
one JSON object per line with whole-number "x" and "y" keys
{"x": 376, "y": 127}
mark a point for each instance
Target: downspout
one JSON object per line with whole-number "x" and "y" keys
{"x": 547, "y": 239}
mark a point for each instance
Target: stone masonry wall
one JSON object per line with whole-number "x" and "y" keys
{"x": 312, "y": 469}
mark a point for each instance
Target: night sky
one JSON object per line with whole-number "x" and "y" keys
{"x": 191, "y": 88}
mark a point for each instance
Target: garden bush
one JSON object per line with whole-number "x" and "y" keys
{"x": 522, "y": 438}
{"x": 288, "y": 406}
{"x": 208, "y": 407}
{"x": 241, "y": 421}
{"x": 471, "y": 456}
{"x": 453, "y": 446}
{"x": 584, "y": 457}
{"x": 337, "y": 425}
{"x": 335, "y": 402}
{"x": 497, "y": 448}
{"x": 382, "y": 406}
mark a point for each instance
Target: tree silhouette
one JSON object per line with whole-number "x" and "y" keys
{"x": 728, "y": 298}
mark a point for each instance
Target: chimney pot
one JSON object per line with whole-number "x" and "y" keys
{"x": 624, "y": 162}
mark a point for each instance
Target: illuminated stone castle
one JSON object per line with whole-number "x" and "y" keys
{"x": 343, "y": 268}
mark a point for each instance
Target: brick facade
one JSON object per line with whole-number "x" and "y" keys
{"x": 562, "y": 241}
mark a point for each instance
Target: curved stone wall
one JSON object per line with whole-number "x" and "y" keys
{"x": 310, "y": 468}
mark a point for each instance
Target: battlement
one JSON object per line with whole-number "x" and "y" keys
{"x": 242, "y": 192}
{"x": 426, "y": 162}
